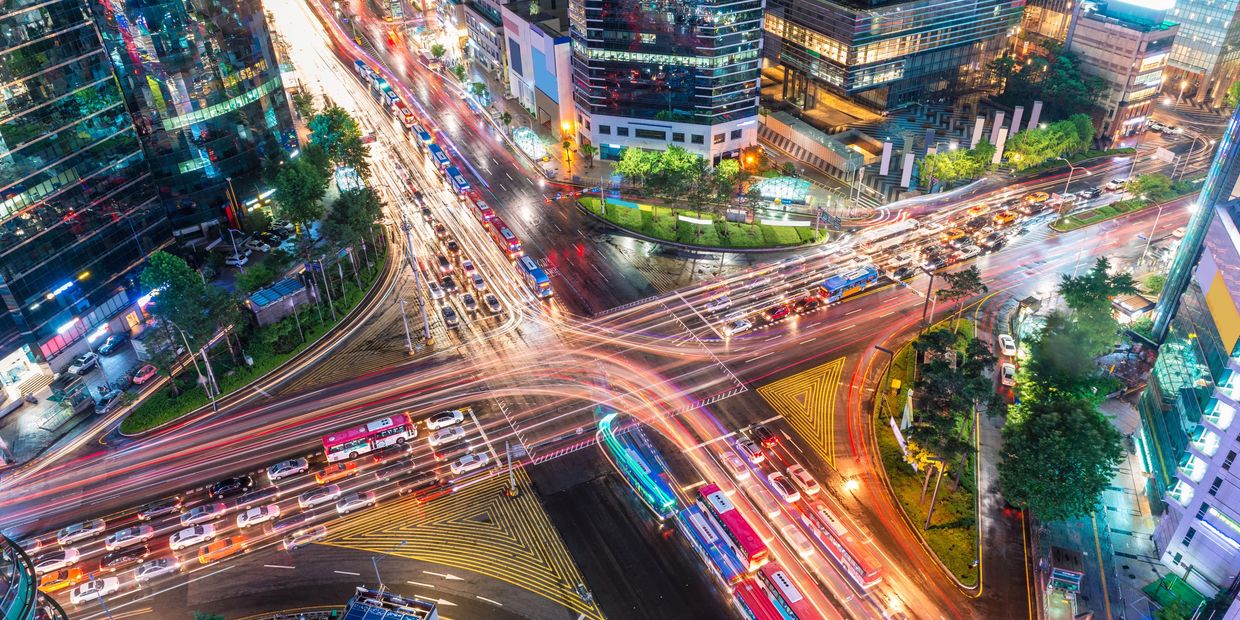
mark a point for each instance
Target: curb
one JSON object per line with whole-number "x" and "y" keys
{"x": 685, "y": 246}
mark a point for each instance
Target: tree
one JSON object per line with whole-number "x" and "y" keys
{"x": 340, "y": 137}
{"x": 351, "y": 216}
{"x": 635, "y": 164}
{"x": 299, "y": 193}
{"x": 1033, "y": 147}
{"x": 478, "y": 89}
{"x": 1154, "y": 283}
{"x": 459, "y": 72}
{"x": 1089, "y": 296}
{"x": 182, "y": 297}
{"x": 317, "y": 157}
{"x": 788, "y": 169}
{"x": 1055, "y": 79}
{"x": 588, "y": 151}
{"x": 506, "y": 119}
{"x": 1174, "y": 611}
{"x": 1154, "y": 187}
{"x": 258, "y": 276}
{"x": 438, "y": 51}
{"x": 960, "y": 286}
{"x": 303, "y": 102}
{"x": 1233, "y": 95}
{"x": 1058, "y": 458}
{"x": 727, "y": 178}
{"x": 258, "y": 220}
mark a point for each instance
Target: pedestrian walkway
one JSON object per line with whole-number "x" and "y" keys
{"x": 807, "y": 401}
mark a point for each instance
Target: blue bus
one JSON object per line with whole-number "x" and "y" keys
{"x": 645, "y": 477}
{"x": 842, "y": 285}
{"x": 534, "y": 276}
{"x": 711, "y": 542}
{"x": 459, "y": 184}
{"x": 424, "y": 139}
{"x": 440, "y": 158}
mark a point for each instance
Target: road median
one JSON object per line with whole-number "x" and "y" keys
{"x": 697, "y": 230}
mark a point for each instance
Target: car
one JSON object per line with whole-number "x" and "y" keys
{"x": 61, "y": 579}
{"x": 718, "y": 304}
{"x": 783, "y": 487}
{"x": 441, "y": 231}
{"x": 289, "y": 246}
{"x": 934, "y": 264}
{"x": 735, "y": 465}
{"x": 256, "y": 497}
{"x": 435, "y": 289}
{"x": 1115, "y": 185}
{"x": 153, "y": 569}
{"x": 453, "y": 247}
{"x": 806, "y": 304}
{"x": 427, "y": 216}
{"x": 978, "y": 210}
{"x": 319, "y": 496}
{"x": 1007, "y": 345}
{"x": 94, "y": 590}
{"x": 394, "y": 470}
{"x": 258, "y": 516}
{"x": 492, "y": 304}
{"x": 191, "y": 536}
{"x": 270, "y": 238}
{"x": 1004, "y": 218}
{"x": 1091, "y": 193}
{"x": 467, "y": 267}
{"x": 737, "y": 326}
{"x": 335, "y": 471}
{"x": 470, "y": 304}
{"x": 223, "y": 548}
{"x": 750, "y": 450}
{"x": 1008, "y": 377}
{"x": 355, "y": 501}
{"x": 128, "y": 537}
{"x": 1179, "y": 232}
{"x": 478, "y": 282}
{"x": 203, "y": 514}
{"x": 80, "y": 531}
{"x": 394, "y": 451}
{"x": 287, "y": 468}
{"x": 113, "y": 561}
{"x": 992, "y": 241}
{"x": 229, "y": 487}
{"x": 450, "y": 317}
{"x": 448, "y": 284}
{"x": 756, "y": 283}
{"x": 445, "y": 265}
{"x": 294, "y": 522}
{"x": 775, "y": 313}
{"x": 113, "y": 344}
{"x": 283, "y": 226}
{"x": 798, "y": 540}
{"x": 804, "y": 480}
{"x": 764, "y": 436}
{"x": 446, "y": 435}
{"x": 84, "y": 363}
{"x": 953, "y": 235}
{"x": 1065, "y": 199}
{"x": 303, "y": 537}
{"x": 968, "y": 251}
{"x": 159, "y": 508}
{"x": 1036, "y": 197}
{"x": 144, "y": 374}
{"x": 258, "y": 245}
{"x": 470, "y": 462}
{"x": 444, "y": 419}
{"x": 236, "y": 261}
{"x": 56, "y": 560}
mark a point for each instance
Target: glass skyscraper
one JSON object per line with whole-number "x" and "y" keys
{"x": 20, "y": 598}
{"x": 78, "y": 209}
{"x": 203, "y": 81}
{"x": 1206, "y": 57}
{"x": 653, "y": 74}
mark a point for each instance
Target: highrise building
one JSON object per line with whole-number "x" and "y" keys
{"x": 886, "y": 53}
{"x": 1047, "y": 19}
{"x": 651, "y": 75}
{"x": 78, "y": 209}
{"x": 1206, "y": 58}
{"x": 203, "y": 82}
{"x": 20, "y": 598}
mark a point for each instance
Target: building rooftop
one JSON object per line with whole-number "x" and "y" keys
{"x": 274, "y": 293}
{"x": 551, "y": 16}
{"x": 1132, "y": 16}
{"x": 369, "y": 604}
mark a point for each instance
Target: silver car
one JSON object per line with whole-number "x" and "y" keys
{"x": 129, "y": 536}
{"x": 81, "y": 531}
{"x": 355, "y": 501}
{"x": 191, "y": 536}
{"x": 152, "y": 569}
{"x": 319, "y": 496}
{"x": 284, "y": 469}
{"x": 301, "y": 538}
{"x": 204, "y": 513}
{"x": 445, "y": 435}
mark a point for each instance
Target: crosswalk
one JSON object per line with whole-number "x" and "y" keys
{"x": 807, "y": 401}
{"x": 477, "y": 529}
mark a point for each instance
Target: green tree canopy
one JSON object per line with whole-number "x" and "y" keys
{"x": 1155, "y": 187}
{"x": 255, "y": 277}
{"x": 340, "y": 137}
{"x": 438, "y": 51}
{"x": 299, "y": 193}
{"x": 1033, "y": 147}
{"x": 1055, "y": 79}
{"x": 352, "y": 215}
{"x": 183, "y": 298}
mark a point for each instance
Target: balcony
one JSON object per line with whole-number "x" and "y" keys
{"x": 1181, "y": 493}
{"x": 1192, "y": 468}
{"x": 1219, "y": 414}
{"x": 1204, "y": 443}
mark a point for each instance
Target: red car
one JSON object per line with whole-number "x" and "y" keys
{"x": 144, "y": 374}
{"x": 778, "y": 312}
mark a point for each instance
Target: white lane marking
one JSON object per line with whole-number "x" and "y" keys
{"x": 510, "y": 177}
{"x": 852, "y": 312}
{"x": 420, "y": 585}
{"x": 754, "y": 359}
{"x": 848, "y": 328}
{"x": 491, "y": 601}
{"x": 278, "y": 566}
{"x": 888, "y": 314}
{"x": 345, "y": 572}
{"x": 810, "y": 340}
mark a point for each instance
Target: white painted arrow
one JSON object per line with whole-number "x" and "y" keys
{"x": 448, "y": 576}
{"x": 444, "y": 601}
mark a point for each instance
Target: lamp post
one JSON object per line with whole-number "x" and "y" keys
{"x": 297, "y": 319}
{"x": 882, "y": 386}
{"x": 1183, "y": 85}
{"x": 210, "y": 386}
{"x": 1071, "y": 170}
{"x": 925, "y": 307}
{"x": 233, "y": 237}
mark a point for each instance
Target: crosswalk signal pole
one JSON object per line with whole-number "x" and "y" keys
{"x": 512, "y": 491}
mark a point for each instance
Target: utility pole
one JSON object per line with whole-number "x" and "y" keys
{"x": 925, "y": 307}
{"x": 404, "y": 318}
{"x": 512, "y": 491}
{"x": 297, "y": 319}
{"x": 417, "y": 279}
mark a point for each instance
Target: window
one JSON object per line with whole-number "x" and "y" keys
{"x": 1188, "y": 538}
{"x": 1214, "y": 486}
{"x": 604, "y": 130}
{"x": 1201, "y": 512}
{"x": 718, "y": 138}
{"x": 699, "y": 139}
{"x": 736, "y": 134}
{"x": 678, "y": 137}
{"x": 651, "y": 134}
{"x": 1231, "y": 456}
{"x": 622, "y": 131}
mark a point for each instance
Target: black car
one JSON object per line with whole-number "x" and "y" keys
{"x": 765, "y": 436}
{"x": 448, "y": 284}
{"x": 229, "y": 487}
{"x": 112, "y": 344}
{"x": 806, "y": 304}
{"x": 1091, "y": 193}
{"x": 254, "y": 498}
{"x": 427, "y": 216}
{"x": 453, "y": 247}
{"x": 904, "y": 273}
{"x": 171, "y": 505}
{"x": 394, "y": 470}
{"x": 128, "y": 557}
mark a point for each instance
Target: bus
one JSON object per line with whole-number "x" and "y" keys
{"x": 753, "y": 602}
{"x": 785, "y": 594}
{"x": 842, "y": 285}
{"x": 643, "y": 475}
{"x": 459, "y": 184}
{"x": 424, "y": 139}
{"x": 535, "y": 278}
{"x": 709, "y": 540}
{"x": 748, "y": 546}
{"x": 381, "y": 433}
{"x": 850, "y": 554}
{"x": 505, "y": 239}
{"x": 483, "y": 212}
{"x": 440, "y": 158}
{"x": 404, "y": 114}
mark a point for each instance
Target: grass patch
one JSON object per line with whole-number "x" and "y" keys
{"x": 1093, "y": 216}
{"x": 664, "y": 223}
{"x": 269, "y": 347}
{"x": 953, "y": 533}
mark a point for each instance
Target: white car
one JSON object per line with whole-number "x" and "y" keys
{"x": 444, "y": 419}
{"x": 798, "y": 540}
{"x": 784, "y": 488}
{"x": 1009, "y": 375}
{"x": 1007, "y": 345}
{"x": 478, "y": 283}
{"x": 448, "y": 434}
{"x": 56, "y": 560}
{"x": 284, "y": 469}
{"x": 319, "y": 496}
{"x": 492, "y": 304}
{"x": 192, "y": 536}
{"x": 1114, "y": 185}
{"x": 468, "y": 268}
{"x": 258, "y": 244}
{"x": 354, "y": 501}
{"x": 735, "y": 465}
{"x": 737, "y": 326}
{"x": 435, "y": 289}
{"x": 718, "y": 304}
{"x": 203, "y": 513}
{"x": 301, "y": 538}
{"x": 80, "y": 531}
{"x": 804, "y": 480}
{"x": 750, "y": 450}
{"x": 152, "y": 569}
{"x": 83, "y": 363}
{"x": 236, "y": 260}
{"x": 129, "y": 536}
{"x": 257, "y": 515}
{"x": 92, "y": 591}
{"x": 470, "y": 462}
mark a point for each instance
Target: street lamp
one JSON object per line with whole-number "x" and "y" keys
{"x": 851, "y": 485}
{"x": 1071, "y": 170}
{"x": 1183, "y": 85}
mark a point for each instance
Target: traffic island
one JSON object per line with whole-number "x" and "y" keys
{"x": 952, "y": 534}
{"x": 697, "y": 230}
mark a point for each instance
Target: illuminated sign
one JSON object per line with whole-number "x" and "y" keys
{"x": 62, "y": 288}
{"x": 67, "y": 326}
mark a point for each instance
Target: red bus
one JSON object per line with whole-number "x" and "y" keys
{"x": 353, "y": 442}
{"x": 505, "y": 239}
{"x": 839, "y": 543}
{"x": 403, "y": 113}
{"x": 785, "y": 593}
{"x": 483, "y": 212}
{"x": 753, "y": 601}
{"x": 748, "y": 546}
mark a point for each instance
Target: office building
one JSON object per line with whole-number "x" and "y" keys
{"x": 486, "y": 35}
{"x": 78, "y": 209}
{"x": 652, "y": 76}
{"x": 203, "y": 83}
{"x": 1206, "y": 57}
{"x": 1127, "y": 47}
{"x": 1046, "y": 19}
{"x": 20, "y": 598}
{"x": 884, "y": 53}
{"x": 540, "y": 74}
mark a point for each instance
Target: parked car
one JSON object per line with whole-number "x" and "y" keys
{"x": 355, "y": 501}
{"x": 113, "y": 344}
{"x": 156, "y": 568}
{"x": 445, "y": 419}
{"x": 470, "y": 462}
{"x": 204, "y": 513}
{"x": 319, "y": 496}
{"x": 128, "y": 537}
{"x": 258, "y": 245}
{"x": 94, "y": 590}
{"x": 1007, "y": 345}
{"x": 191, "y": 536}
{"x": 159, "y": 508}
{"x": 80, "y": 531}
{"x": 1009, "y": 375}
{"x": 84, "y": 363}
{"x": 229, "y": 487}
{"x": 113, "y": 561}
{"x": 236, "y": 260}
{"x": 303, "y": 537}
{"x": 108, "y": 402}
{"x": 287, "y": 468}
{"x": 258, "y": 516}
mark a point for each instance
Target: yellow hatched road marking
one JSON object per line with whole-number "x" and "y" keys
{"x": 807, "y": 401}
